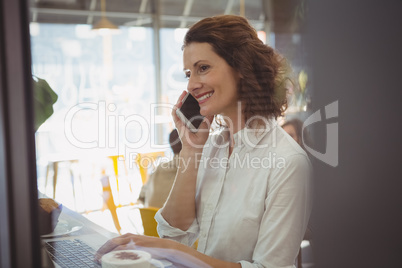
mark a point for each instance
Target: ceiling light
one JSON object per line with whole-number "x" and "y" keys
{"x": 104, "y": 23}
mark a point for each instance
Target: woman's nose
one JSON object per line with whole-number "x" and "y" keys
{"x": 193, "y": 83}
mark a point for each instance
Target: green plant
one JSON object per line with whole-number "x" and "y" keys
{"x": 44, "y": 98}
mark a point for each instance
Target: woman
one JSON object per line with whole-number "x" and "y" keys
{"x": 242, "y": 190}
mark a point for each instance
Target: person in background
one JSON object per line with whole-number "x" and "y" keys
{"x": 156, "y": 190}
{"x": 243, "y": 189}
{"x": 294, "y": 128}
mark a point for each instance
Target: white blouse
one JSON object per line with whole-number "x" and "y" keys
{"x": 252, "y": 207}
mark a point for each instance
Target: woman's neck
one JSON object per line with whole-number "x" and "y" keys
{"x": 234, "y": 120}
{"x": 234, "y": 125}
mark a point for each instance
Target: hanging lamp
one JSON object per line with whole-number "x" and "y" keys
{"x": 104, "y": 22}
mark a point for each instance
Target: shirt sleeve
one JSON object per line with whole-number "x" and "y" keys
{"x": 165, "y": 230}
{"x": 288, "y": 207}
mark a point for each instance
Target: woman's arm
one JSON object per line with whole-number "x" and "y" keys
{"x": 207, "y": 259}
{"x": 168, "y": 249}
{"x": 179, "y": 209}
{"x": 287, "y": 210}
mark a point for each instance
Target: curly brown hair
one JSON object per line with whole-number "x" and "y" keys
{"x": 262, "y": 86}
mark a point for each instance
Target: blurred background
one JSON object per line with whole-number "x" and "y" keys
{"x": 109, "y": 61}
{"x": 116, "y": 67}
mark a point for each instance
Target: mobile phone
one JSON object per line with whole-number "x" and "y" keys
{"x": 189, "y": 113}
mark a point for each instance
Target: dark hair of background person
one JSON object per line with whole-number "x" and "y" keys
{"x": 263, "y": 71}
{"x": 298, "y": 127}
{"x": 174, "y": 141}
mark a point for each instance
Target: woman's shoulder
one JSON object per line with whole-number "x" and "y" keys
{"x": 276, "y": 140}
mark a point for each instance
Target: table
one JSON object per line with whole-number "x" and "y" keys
{"x": 83, "y": 229}
{"x": 95, "y": 236}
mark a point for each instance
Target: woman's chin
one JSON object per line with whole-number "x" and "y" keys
{"x": 205, "y": 112}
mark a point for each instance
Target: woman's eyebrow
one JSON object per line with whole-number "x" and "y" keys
{"x": 194, "y": 65}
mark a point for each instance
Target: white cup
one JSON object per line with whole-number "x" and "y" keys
{"x": 126, "y": 259}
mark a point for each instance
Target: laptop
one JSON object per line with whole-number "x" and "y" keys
{"x": 71, "y": 252}
{"x": 71, "y": 245}
{"x": 74, "y": 243}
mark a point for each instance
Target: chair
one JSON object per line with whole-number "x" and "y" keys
{"x": 115, "y": 159}
{"x": 145, "y": 161}
{"x": 71, "y": 165}
{"x": 109, "y": 200}
{"x": 148, "y": 220}
{"x": 149, "y": 223}
{"x": 307, "y": 237}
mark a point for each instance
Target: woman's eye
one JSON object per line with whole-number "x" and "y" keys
{"x": 203, "y": 68}
{"x": 187, "y": 75}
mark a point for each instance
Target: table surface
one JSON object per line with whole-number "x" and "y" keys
{"x": 98, "y": 236}
{"x": 89, "y": 227}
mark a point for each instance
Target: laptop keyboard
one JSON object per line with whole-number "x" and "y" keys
{"x": 71, "y": 253}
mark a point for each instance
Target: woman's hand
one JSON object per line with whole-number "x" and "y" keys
{"x": 159, "y": 248}
{"x": 179, "y": 209}
{"x": 132, "y": 241}
{"x": 190, "y": 140}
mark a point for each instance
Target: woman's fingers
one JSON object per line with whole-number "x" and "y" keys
{"x": 112, "y": 244}
{"x": 124, "y": 247}
{"x": 131, "y": 241}
{"x": 179, "y": 124}
{"x": 178, "y": 103}
{"x": 157, "y": 247}
{"x": 180, "y": 100}
{"x": 192, "y": 140}
{"x": 203, "y": 130}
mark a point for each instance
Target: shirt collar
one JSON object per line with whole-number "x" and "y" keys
{"x": 251, "y": 136}
{"x": 248, "y": 136}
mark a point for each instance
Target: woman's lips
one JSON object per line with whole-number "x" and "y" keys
{"x": 204, "y": 97}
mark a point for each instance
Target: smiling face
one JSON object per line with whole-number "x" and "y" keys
{"x": 211, "y": 80}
